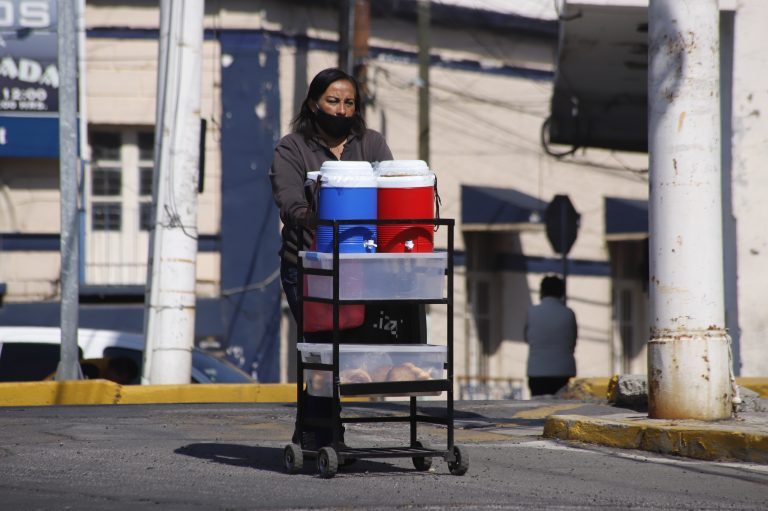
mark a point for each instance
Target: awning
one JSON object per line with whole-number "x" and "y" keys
{"x": 499, "y": 209}
{"x": 600, "y": 92}
{"x": 625, "y": 219}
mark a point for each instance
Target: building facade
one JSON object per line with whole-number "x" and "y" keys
{"x": 492, "y": 78}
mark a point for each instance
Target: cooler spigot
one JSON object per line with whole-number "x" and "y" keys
{"x": 369, "y": 244}
{"x": 409, "y": 245}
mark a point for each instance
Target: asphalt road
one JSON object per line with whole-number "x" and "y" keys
{"x": 229, "y": 457}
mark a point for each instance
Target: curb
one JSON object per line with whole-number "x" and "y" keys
{"x": 757, "y": 384}
{"x": 598, "y": 387}
{"x": 105, "y": 392}
{"x": 690, "y": 439}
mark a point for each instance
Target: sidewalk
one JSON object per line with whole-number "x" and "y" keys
{"x": 742, "y": 438}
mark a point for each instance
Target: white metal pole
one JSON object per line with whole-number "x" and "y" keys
{"x": 170, "y": 300}
{"x": 85, "y": 148}
{"x": 69, "y": 365}
{"x": 689, "y": 352}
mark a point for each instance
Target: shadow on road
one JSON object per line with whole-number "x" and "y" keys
{"x": 265, "y": 458}
{"x": 271, "y": 458}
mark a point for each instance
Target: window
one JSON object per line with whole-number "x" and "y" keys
{"x": 29, "y": 361}
{"x": 106, "y": 216}
{"x": 106, "y": 181}
{"x": 146, "y": 177}
{"x": 145, "y": 216}
{"x": 109, "y": 177}
{"x": 118, "y": 203}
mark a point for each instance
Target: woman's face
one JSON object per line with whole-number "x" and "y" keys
{"x": 338, "y": 99}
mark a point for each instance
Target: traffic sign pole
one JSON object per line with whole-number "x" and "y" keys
{"x": 562, "y": 222}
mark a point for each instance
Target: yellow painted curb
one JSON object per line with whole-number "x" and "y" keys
{"x": 579, "y": 388}
{"x": 755, "y": 383}
{"x": 544, "y": 411}
{"x": 208, "y": 393}
{"x": 605, "y": 388}
{"x": 47, "y": 393}
{"x": 104, "y": 392}
{"x": 705, "y": 442}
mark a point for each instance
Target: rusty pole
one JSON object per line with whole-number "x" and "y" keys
{"x": 689, "y": 353}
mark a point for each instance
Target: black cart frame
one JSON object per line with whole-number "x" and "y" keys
{"x": 330, "y": 457}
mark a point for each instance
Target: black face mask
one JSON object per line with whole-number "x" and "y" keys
{"x": 335, "y": 125}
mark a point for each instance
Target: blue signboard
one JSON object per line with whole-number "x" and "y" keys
{"x": 29, "y": 78}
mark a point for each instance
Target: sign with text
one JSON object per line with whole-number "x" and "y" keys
{"x": 29, "y": 78}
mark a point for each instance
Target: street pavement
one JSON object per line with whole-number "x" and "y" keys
{"x": 586, "y": 417}
{"x": 228, "y": 456}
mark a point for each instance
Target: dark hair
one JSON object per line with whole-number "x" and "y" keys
{"x": 552, "y": 285}
{"x": 304, "y": 122}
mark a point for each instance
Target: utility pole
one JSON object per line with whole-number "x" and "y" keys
{"x": 689, "y": 359}
{"x": 424, "y": 22}
{"x": 346, "y": 26}
{"x": 360, "y": 48}
{"x": 69, "y": 364}
{"x": 171, "y": 271}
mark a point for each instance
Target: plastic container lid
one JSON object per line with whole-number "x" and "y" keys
{"x": 427, "y": 180}
{"x": 314, "y": 255}
{"x": 346, "y": 167}
{"x": 374, "y": 348}
{"x": 348, "y": 181}
{"x": 313, "y": 176}
{"x": 401, "y": 168}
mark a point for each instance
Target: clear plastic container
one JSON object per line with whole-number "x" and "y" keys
{"x": 368, "y": 363}
{"x": 379, "y": 276}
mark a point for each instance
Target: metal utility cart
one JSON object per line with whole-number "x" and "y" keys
{"x": 330, "y": 457}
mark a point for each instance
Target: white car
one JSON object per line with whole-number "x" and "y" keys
{"x": 32, "y": 354}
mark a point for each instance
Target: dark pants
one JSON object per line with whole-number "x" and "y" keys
{"x": 390, "y": 324}
{"x": 543, "y": 385}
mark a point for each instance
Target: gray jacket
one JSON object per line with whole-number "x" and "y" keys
{"x": 294, "y": 157}
{"x": 550, "y": 331}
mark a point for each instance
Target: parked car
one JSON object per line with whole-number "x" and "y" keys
{"x": 32, "y": 354}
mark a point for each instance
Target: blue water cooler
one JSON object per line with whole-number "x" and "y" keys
{"x": 348, "y": 191}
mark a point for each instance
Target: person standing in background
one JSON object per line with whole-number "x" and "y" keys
{"x": 550, "y": 331}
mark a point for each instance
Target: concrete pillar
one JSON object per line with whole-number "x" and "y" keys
{"x": 689, "y": 352}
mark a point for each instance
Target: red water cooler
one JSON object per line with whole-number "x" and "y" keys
{"x": 406, "y": 190}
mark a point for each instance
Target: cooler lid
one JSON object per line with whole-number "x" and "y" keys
{"x": 427, "y": 180}
{"x": 346, "y": 167}
{"x": 401, "y": 168}
{"x": 348, "y": 180}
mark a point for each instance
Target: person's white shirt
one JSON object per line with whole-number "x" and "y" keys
{"x": 550, "y": 332}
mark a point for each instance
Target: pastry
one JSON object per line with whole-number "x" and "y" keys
{"x": 320, "y": 380}
{"x": 355, "y": 376}
{"x": 381, "y": 373}
{"x": 407, "y": 371}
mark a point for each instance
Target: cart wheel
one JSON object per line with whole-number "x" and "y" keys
{"x": 422, "y": 463}
{"x": 327, "y": 462}
{"x": 460, "y": 465}
{"x": 293, "y": 457}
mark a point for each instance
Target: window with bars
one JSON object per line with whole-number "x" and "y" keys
{"x": 113, "y": 174}
{"x": 106, "y": 181}
{"x": 146, "y": 142}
